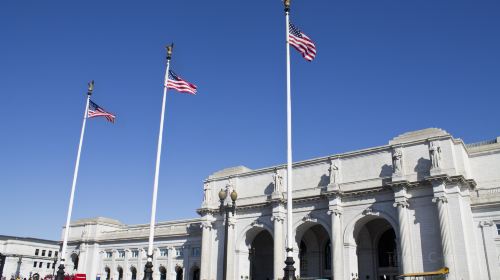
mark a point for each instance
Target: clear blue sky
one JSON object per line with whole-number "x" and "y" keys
{"x": 383, "y": 68}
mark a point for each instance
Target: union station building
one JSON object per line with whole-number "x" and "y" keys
{"x": 424, "y": 201}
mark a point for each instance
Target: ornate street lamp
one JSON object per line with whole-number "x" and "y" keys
{"x": 227, "y": 209}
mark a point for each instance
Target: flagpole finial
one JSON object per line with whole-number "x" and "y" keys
{"x": 90, "y": 88}
{"x": 169, "y": 51}
{"x": 287, "y": 5}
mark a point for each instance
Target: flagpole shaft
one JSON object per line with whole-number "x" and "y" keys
{"x": 73, "y": 186}
{"x": 157, "y": 169}
{"x": 289, "y": 142}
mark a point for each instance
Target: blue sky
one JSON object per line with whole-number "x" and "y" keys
{"x": 383, "y": 68}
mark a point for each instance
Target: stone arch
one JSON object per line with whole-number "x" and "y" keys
{"x": 361, "y": 219}
{"x": 250, "y": 232}
{"x": 311, "y": 238}
{"x": 301, "y": 227}
{"x": 361, "y": 242}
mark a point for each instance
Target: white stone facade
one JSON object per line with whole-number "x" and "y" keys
{"x": 26, "y": 256}
{"x": 424, "y": 201}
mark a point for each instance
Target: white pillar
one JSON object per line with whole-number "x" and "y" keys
{"x": 279, "y": 246}
{"x": 404, "y": 235}
{"x": 231, "y": 254}
{"x": 170, "y": 263}
{"x": 446, "y": 241}
{"x": 337, "y": 242}
{"x": 206, "y": 256}
{"x": 187, "y": 266}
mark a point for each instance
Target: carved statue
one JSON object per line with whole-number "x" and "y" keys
{"x": 435, "y": 153}
{"x": 278, "y": 181}
{"x": 334, "y": 172}
{"x": 206, "y": 193}
{"x": 397, "y": 161}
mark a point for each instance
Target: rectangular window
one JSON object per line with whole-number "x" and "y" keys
{"x": 135, "y": 253}
{"x": 53, "y": 265}
{"x": 50, "y": 253}
{"x": 48, "y": 265}
{"x": 37, "y": 251}
{"x": 179, "y": 252}
{"x": 195, "y": 251}
{"x": 34, "y": 264}
{"x": 121, "y": 254}
{"x": 498, "y": 229}
{"x": 109, "y": 255}
{"x": 163, "y": 252}
{"x": 55, "y": 253}
{"x": 40, "y": 264}
{"x": 43, "y": 253}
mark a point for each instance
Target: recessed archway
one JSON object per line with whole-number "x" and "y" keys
{"x": 314, "y": 251}
{"x": 108, "y": 273}
{"x": 261, "y": 256}
{"x": 376, "y": 249}
{"x": 119, "y": 269}
{"x": 133, "y": 272}
{"x": 163, "y": 273}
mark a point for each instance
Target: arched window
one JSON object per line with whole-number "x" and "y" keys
{"x": 328, "y": 255}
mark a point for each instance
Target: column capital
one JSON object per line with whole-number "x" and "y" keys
{"x": 402, "y": 204}
{"x": 336, "y": 212}
{"x": 206, "y": 225}
{"x": 484, "y": 224}
{"x": 441, "y": 199}
{"x": 278, "y": 218}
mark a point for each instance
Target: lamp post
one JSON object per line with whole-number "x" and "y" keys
{"x": 226, "y": 209}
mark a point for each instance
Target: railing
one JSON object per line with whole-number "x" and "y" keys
{"x": 477, "y": 144}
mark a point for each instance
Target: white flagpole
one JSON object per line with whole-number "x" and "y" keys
{"x": 289, "y": 270}
{"x": 73, "y": 186}
{"x": 148, "y": 270}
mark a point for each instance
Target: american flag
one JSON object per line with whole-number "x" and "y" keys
{"x": 179, "y": 84}
{"x": 97, "y": 111}
{"x": 301, "y": 43}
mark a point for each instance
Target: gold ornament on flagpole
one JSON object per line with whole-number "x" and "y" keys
{"x": 90, "y": 88}
{"x": 287, "y": 4}
{"x": 169, "y": 51}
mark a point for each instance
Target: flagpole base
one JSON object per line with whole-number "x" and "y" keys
{"x": 289, "y": 269}
{"x": 60, "y": 272}
{"x": 148, "y": 271}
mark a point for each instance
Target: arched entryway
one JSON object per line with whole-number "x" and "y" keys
{"x": 195, "y": 272}
{"x": 133, "y": 272}
{"x": 261, "y": 256}
{"x": 107, "y": 271}
{"x": 315, "y": 253}
{"x": 119, "y": 269}
{"x": 163, "y": 273}
{"x": 376, "y": 249}
{"x": 179, "y": 273}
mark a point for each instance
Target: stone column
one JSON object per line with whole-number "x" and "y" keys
{"x": 337, "y": 242}
{"x": 231, "y": 256}
{"x": 279, "y": 247}
{"x": 404, "y": 235}
{"x": 170, "y": 263}
{"x": 187, "y": 266}
{"x": 206, "y": 256}
{"x": 446, "y": 241}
